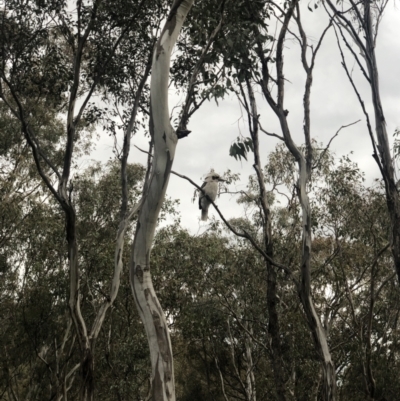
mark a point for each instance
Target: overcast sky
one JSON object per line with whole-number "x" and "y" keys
{"x": 333, "y": 104}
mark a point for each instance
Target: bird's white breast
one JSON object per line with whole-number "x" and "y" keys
{"x": 211, "y": 189}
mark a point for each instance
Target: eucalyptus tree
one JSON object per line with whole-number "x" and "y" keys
{"x": 25, "y": 253}
{"x": 359, "y": 23}
{"x": 246, "y": 49}
{"x": 305, "y": 165}
{"x": 246, "y": 95}
{"x": 240, "y": 70}
{"x": 250, "y": 57}
{"x": 32, "y": 293}
{"x": 351, "y": 272}
{"x": 55, "y": 57}
{"x": 39, "y": 351}
{"x": 230, "y": 63}
{"x": 213, "y": 294}
{"x": 350, "y": 267}
{"x": 52, "y": 57}
{"x": 165, "y": 140}
{"x": 350, "y": 243}
{"x": 213, "y": 288}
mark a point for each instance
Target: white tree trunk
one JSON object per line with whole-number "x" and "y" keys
{"x": 250, "y": 379}
{"x": 165, "y": 140}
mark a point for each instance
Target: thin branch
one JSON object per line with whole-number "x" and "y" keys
{"x": 246, "y": 235}
{"x": 371, "y": 134}
{"x": 242, "y": 326}
{"x": 270, "y": 133}
{"x": 379, "y": 18}
{"x": 279, "y": 54}
{"x": 243, "y": 102}
{"x": 71, "y": 124}
{"x": 350, "y": 26}
{"x": 128, "y": 134}
{"x": 330, "y": 141}
{"x": 314, "y": 53}
{"x": 43, "y": 156}
{"x": 356, "y": 58}
{"x": 30, "y": 132}
{"x": 198, "y": 105}
{"x": 246, "y": 106}
{"x": 222, "y": 379}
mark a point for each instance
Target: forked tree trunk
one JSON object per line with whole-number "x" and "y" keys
{"x": 392, "y": 193}
{"x": 304, "y": 288}
{"x": 86, "y": 338}
{"x": 165, "y": 140}
{"x": 364, "y": 35}
{"x": 304, "y": 168}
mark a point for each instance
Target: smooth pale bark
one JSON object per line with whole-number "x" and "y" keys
{"x": 392, "y": 193}
{"x": 86, "y": 338}
{"x": 250, "y": 379}
{"x": 363, "y": 33}
{"x": 304, "y": 287}
{"x": 125, "y": 216}
{"x": 165, "y": 140}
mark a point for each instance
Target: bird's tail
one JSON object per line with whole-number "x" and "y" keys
{"x": 204, "y": 214}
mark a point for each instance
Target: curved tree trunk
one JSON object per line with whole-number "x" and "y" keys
{"x": 392, "y": 193}
{"x": 165, "y": 140}
{"x": 79, "y": 35}
{"x": 304, "y": 168}
{"x": 364, "y": 33}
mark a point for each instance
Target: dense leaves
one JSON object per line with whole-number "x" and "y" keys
{"x": 212, "y": 286}
{"x": 213, "y": 290}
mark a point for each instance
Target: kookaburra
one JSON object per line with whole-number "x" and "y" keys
{"x": 210, "y": 188}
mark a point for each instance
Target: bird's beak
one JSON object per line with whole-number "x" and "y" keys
{"x": 220, "y": 179}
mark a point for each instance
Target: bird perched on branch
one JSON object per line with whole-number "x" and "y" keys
{"x": 210, "y": 188}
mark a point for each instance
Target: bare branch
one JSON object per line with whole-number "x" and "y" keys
{"x": 371, "y": 134}
{"x": 357, "y": 59}
{"x": 350, "y": 26}
{"x": 270, "y": 133}
{"x": 279, "y": 53}
{"x": 379, "y": 17}
{"x": 243, "y": 102}
{"x": 245, "y": 234}
{"x": 330, "y": 141}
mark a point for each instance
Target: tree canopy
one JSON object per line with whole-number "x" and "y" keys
{"x": 296, "y": 297}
